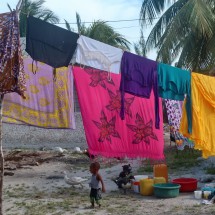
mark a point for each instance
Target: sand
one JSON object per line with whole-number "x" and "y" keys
{"x": 40, "y": 188}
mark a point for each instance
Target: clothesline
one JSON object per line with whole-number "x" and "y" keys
{"x": 88, "y": 22}
{"x": 56, "y": 47}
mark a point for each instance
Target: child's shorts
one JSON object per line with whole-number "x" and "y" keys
{"x": 95, "y": 193}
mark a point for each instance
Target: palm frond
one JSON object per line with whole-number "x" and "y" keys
{"x": 49, "y": 16}
{"x": 81, "y": 27}
{"x": 140, "y": 46}
{"x": 101, "y": 31}
{"x": 164, "y": 22}
{"x": 150, "y": 9}
{"x": 68, "y": 27}
{"x": 186, "y": 35}
{"x": 201, "y": 19}
{"x": 9, "y": 7}
{"x": 195, "y": 54}
{"x": 36, "y": 9}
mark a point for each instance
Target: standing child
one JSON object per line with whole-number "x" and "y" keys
{"x": 95, "y": 192}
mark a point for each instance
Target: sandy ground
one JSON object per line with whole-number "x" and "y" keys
{"x": 41, "y": 190}
{"x": 38, "y": 186}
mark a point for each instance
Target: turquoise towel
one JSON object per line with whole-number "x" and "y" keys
{"x": 174, "y": 83}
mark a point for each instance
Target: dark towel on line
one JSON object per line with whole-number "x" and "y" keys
{"x": 50, "y": 44}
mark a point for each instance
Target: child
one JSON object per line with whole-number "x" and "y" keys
{"x": 95, "y": 193}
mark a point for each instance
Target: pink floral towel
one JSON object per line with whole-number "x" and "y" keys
{"x": 108, "y": 135}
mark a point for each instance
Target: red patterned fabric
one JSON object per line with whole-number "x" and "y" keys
{"x": 12, "y": 77}
{"x": 107, "y": 135}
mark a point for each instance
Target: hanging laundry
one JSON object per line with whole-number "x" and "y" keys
{"x": 48, "y": 103}
{"x": 98, "y": 55}
{"x": 12, "y": 78}
{"x": 174, "y": 84}
{"x": 203, "y": 114}
{"x": 139, "y": 77}
{"x": 174, "y": 114}
{"x": 49, "y": 44}
{"x": 107, "y": 135}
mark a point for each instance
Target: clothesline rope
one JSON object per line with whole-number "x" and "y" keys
{"x": 120, "y": 20}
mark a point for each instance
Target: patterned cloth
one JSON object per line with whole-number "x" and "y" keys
{"x": 174, "y": 83}
{"x": 108, "y": 135}
{"x": 12, "y": 77}
{"x": 48, "y": 103}
{"x": 174, "y": 114}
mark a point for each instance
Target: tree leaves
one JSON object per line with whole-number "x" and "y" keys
{"x": 184, "y": 32}
{"x": 101, "y": 31}
{"x": 36, "y": 9}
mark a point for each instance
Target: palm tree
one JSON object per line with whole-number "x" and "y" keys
{"x": 101, "y": 31}
{"x": 185, "y": 31}
{"x": 36, "y": 9}
{"x": 140, "y": 46}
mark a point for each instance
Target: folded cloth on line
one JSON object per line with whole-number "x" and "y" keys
{"x": 98, "y": 55}
{"x": 50, "y": 44}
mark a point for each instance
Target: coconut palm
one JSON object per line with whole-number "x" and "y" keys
{"x": 36, "y": 9}
{"x": 101, "y": 31}
{"x": 185, "y": 31}
{"x": 140, "y": 46}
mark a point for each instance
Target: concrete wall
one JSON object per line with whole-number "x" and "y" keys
{"x": 20, "y": 136}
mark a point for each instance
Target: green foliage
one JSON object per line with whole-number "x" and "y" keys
{"x": 179, "y": 160}
{"x": 210, "y": 170}
{"x": 101, "y": 31}
{"x": 140, "y": 46}
{"x": 36, "y": 9}
{"x": 147, "y": 167}
{"x": 175, "y": 160}
{"x": 185, "y": 30}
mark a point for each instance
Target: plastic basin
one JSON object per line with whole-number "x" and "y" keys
{"x": 166, "y": 190}
{"x": 187, "y": 184}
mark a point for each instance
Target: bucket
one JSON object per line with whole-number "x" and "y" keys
{"x": 206, "y": 194}
{"x": 160, "y": 170}
{"x": 136, "y": 186}
{"x": 159, "y": 180}
{"x": 198, "y": 194}
{"x": 146, "y": 187}
{"x": 139, "y": 177}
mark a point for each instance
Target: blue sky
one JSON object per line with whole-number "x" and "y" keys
{"x": 91, "y": 10}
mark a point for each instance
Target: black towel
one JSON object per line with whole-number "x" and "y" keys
{"x": 50, "y": 44}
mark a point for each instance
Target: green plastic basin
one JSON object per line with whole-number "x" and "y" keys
{"x": 167, "y": 190}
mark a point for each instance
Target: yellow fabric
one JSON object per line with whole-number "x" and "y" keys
{"x": 203, "y": 114}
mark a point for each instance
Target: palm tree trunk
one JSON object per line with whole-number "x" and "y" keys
{"x": 1, "y": 158}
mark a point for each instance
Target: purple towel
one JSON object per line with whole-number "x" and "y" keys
{"x": 139, "y": 77}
